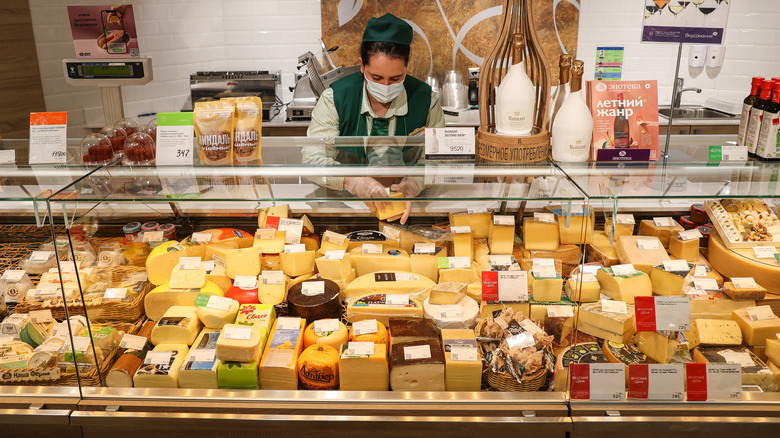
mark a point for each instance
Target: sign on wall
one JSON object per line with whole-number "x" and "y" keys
{"x": 679, "y": 21}
{"x": 104, "y": 31}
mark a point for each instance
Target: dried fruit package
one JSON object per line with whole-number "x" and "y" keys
{"x": 214, "y": 123}
{"x": 247, "y": 137}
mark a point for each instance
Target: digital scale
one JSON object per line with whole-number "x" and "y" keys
{"x": 109, "y": 75}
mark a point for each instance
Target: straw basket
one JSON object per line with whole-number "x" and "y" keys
{"x": 503, "y": 381}
{"x": 518, "y": 18}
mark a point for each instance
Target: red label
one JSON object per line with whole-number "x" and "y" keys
{"x": 489, "y": 286}
{"x": 645, "y": 314}
{"x": 580, "y": 381}
{"x": 696, "y": 376}
{"x": 776, "y": 121}
{"x": 638, "y": 381}
{"x": 272, "y": 222}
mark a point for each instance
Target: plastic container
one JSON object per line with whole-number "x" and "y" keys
{"x": 151, "y": 129}
{"x": 698, "y": 214}
{"x": 139, "y": 149}
{"x": 687, "y": 222}
{"x": 169, "y": 230}
{"x": 96, "y": 149}
{"x": 132, "y": 231}
{"x": 129, "y": 125}
{"x": 118, "y": 136}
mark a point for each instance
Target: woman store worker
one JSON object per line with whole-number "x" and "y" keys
{"x": 382, "y": 100}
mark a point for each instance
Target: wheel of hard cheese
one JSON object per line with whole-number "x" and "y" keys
{"x": 314, "y": 306}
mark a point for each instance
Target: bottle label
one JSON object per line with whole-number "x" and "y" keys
{"x": 743, "y": 124}
{"x": 768, "y": 137}
{"x": 753, "y": 129}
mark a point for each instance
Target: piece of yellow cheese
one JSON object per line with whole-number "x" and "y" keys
{"x": 179, "y": 325}
{"x": 461, "y": 375}
{"x": 448, "y": 293}
{"x": 390, "y": 259}
{"x": 713, "y": 332}
{"x": 396, "y": 208}
{"x": 295, "y": 264}
{"x": 583, "y": 288}
{"x": 756, "y": 332}
{"x": 278, "y": 365}
{"x": 427, "y": 265}
{"x": 270, "y": 290}
{"x": 479, "y": 222}
{"x": 624, "y": 287}
{"x": 334, "y": 269}
{"x": 272, "y": 245}
{"x": 162, "y": 260}
{"x": 389, "y": 283}
{"x": 540, "y": 235}
{"x": 742, "y": 262}
{"x": 502, "y": 238}
{"x": 659, "y": 346}
{"x": 648, "y": 227}
{"x": 612, "y": 326}
{"x": 668, "y": 283}
{"x": 242, "y": 262}
{"x": 684, "y": 249}
{"x": 628, "y": 251}
{"x": 161, "y": 298}
{"x": 364, "y": 372}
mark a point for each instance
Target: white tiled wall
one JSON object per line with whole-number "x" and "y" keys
{"x": 184, "y": 36}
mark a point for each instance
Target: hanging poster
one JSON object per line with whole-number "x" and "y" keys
{"x": 689, "y": 21}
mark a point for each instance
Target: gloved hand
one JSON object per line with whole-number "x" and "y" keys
{"x": 366, "y": 187}
{"x": 410, "y": 188}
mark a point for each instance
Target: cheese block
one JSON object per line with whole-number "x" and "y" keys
{"x": 311, "y": 243}
{"x": 295, "y": 264}
{"x": 668, "y": 283}
{"x": 567, "y": 256}
{"x": 161, "y": 298}
{"x": 380, "y": 336}
{"x": 272, "y": 245}
{"x": 501, "y": 239}
{"x": 404, "y": 330}
{"x": 611, "y": 326}
{"x": 620, "y": 229}
{"x": 756, "y": 332}
{"x": 450, "y": 292}
{"x": 579, "y": 228}
{"x": 216, "y": 250}
{"x": 658, "y": 346}
{"x": 773, "y": 350}
{"x": 546, "y": 289}
{"x": 218, "y": 277}
{"x": 583, "y": 288}
{"x": 162, "y": 375}
{"x": 216, "y": 318}
{"x": 332, "y": 338}
{"x": 540, "y": 235}
{"x": 280, "y": 211}
{"x": 391, "y": 259}
{"x": 195, "y": 372}
{"x": 179, "y": 325}
{"x": 624, "y": 287}
{"x": 479, "y": 222}
{"x": 684, "y": 249}
{"x": 648, "y": 227}
{"x": 162, "y": 260}
{"x": 261, "y": 316}
{"x": 239, "y": 343}
{"x": 753, "y": 293}
{"x": 605, "y": 255}
{"x": 487, "y": 308}
{"x": 713, "y": 332}
{"x": 459, "y": 275}
{"x": 558, "y": 327}
{"x": 238, "y": 375}
{"x": 242, "y": 261}
{"x": 425, "y": 373}
{"x": 462, "y": 315}
{"x": 333, "y": 269}
{"x": 344, "y": 282}
{"x": 716, "y": 307}
{"x": 756, "y": 373}
{"x": 461, "y": 375}
{"x": 628, "y": 251}
{"x": 364, "y": 372}
{"x": 188, "y": 278}
{"x": 122, "y": 372}
{"x": 583, "y": 352}
{"x": 741, "y": 262}
{"x": 358, "y": 238}
{"x": 396, "y": 208}
{"x": 280, "y": 358}
{"x": 775, "y": 369}
{"x": 390, "y": 283}
{"x": 427, "y": 265}
{"x": 333, "y": 241}
{"x": 269, "y": 292}
{"x": 324, "y": 302}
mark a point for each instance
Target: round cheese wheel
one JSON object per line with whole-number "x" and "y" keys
{"x": 464, "y": 315}
{"x": 333, "y": 338}
{"x": 313, "y": 306}
{"x": 380, "y": 337}
{"x": 243, "y": 296}
{"x": 318, "y": 367}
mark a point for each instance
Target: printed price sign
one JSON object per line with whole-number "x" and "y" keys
{"x": 41, "y": 316}
{"x": 663, "y": 221}
{"x": 201, "y": 237}
{"x": 288, "y": 323}
{"x": 656, "y": 382}
{"x": 174, "y": 140}
{"x": 507, "y": 286}
{"x": 265, "y": 234}
{"x": 764, "y": 252}
{"x": 713, "y": 381}
{"x": 417, "y": 352}
{"x": 663, "y": 313}
{"x": 238, "y": 333}
{"x": 158, "y": 358}
{"x": 598, "y": 381}
{"x": 293, "y": 229}
{"x": 372, "y": 248}
{"x": 614, "y": 306}
{"x": 625, "y": 219}
{"x": 313, "y": 288}
{"x": 648, "y": 244}
{"x": 560, "y": 311}
{"x": 449, "y": 143}
{"x": 397, "y": 299}
{"x": 425, "y": 248}
{"x": 202, "y": 355}
{"x": 521, "y": 340}
{"x": 132, "y": 342}
{"x": 273, "y": 277}
{"x": 365, "y": 327}
{"x": 334, "y": 238}
{"x": 335, "y": 254}
{"x": 189, "y": 263}
{"x": 546, "y": 218}
{"x": 464, "y": 354}
{"x": 627, "y": 269}
{"x": 757, "y": 313}
{"x": 360, "y": 348}
{"x": 690, "y": 234}
{"x": 448, "y": 311}
{"x": 48, "y": 138}
{"x": 245, "y": 282}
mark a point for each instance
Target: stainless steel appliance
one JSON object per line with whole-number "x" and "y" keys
{"x": 213, "y": 85}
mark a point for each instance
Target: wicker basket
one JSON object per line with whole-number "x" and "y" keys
{"x": 503, "y": 381}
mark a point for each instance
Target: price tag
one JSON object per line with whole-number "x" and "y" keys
{"x": 741, "y": 358}
{"x": 265, "y": 234}
{"x": 132, "y": 342}
{"x": 41, "y": 256}
{"x": 360, "y": 348}
{"x": 757, "y": 313}
{"x": 397, "y": 299}
{"x": 365, "y": 327}
{"x": 676, "y": 266}
{"x": 174, "y": 139}
{"x": 625, "y": 219}
{"x": 590, "y": 269}
{"x": 559, "y": 311}
{"x": 662, "y": 313}
{"x": 648, "y": 244}
{"x": 41, "y": 316}
{"x": 598, "y": 381}
{"x": 208, "y": 266}
{"x": 13, "y": 275}
{"x": 500, "y": 260}
{"x": 477, "y": 210}
{"x": 417, "y": 352}
{"x": 521, "y": 340}
{"x": 201, "y": 237}
{"x": 705, "y": 283}
{"x": 728, "y": 153}
{"x": 448, "y": 311}
{"x": 153, "y": 236}
{"x": 202, "y": 355}
{"x": 713, "y": 381}
{"x": 690, "y": 234}
{"x": 449, "y": 144}
{"x": 158, "y": 358}
{"x": 545, "y": 218}
{"x": 504, "y": 220}
{"x": 273, "y": 277}
{"x": 529, "y": 326}
{"x": 115, "y": 293}
{"x": 48, "y": 137}
{"x": 8, "y": 156}
{"x": 218, "y": 303}
{"x": 296, "y": 248}
{"x": 372, "y": 248}
{"x": 464, "y": 229}
{"x": 334, "y": 238}
{"x": 247, "y": 282}
{"x": 425, "y": 248}
{"x": 663, "y": 221}
{"x": 744, "y": 283}
{"x": 288, "y": 323}
{"x": 313, "y": 288}
{"x": 404, "y": 276}
{"x": 326, "y": 325}
{"x": 454, "y": 262}
{"x": 764, "y": 252}
{"x": 656, "y": 382}
{"x": 627, "y": 269}
{"x": 544, "y": 272}
{"x": 700, "y": 271}
{"x": 614, "y": 306}
{"x": 464, "y": 354}
{"x": 334, "y": 254}
{"x": 293, "y": 229}
{"x": 189, "y": 263}
{"x": 238, "y": 333}
{"x": 512, "y": 286}
{"x": 539, "y": 262}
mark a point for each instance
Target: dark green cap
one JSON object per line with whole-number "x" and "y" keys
{"x": 388, "y": 28}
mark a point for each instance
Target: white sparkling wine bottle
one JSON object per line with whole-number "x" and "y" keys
{"x": 515, "y": 96}
{"x": 573, "y": 127}
{"x": 563, "y": 88}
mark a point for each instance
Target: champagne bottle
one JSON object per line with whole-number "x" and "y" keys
{"x": 515, "y": 96}
{"x": 563, "y": 88}
{"x": 620, "y": 127}
{"x": 767, "y": 136}
{"x": 573, "y": 129}
{"x": 756, "y": 114}
{"x": 747, "y": 106}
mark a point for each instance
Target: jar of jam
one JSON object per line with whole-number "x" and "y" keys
{"x": 169, "y": 230}
{"x": 705, "y": 231}
{"x": 139, "y": 149}
{"x": 150, "y": 226}
{"x": 132, "y": 231}
{"x": 118, "y": 136}
{"x": 129, "y": 125}
{"x": 96, "y": 149}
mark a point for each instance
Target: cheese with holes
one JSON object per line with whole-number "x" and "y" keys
{"x": 464, "y": 374}
{"x": 628, "y": 251}
{"x": 161, "y": 298}
{"x": 648, "y": 227}
{"x": 390, "y": 259}
{"x": 546, "y": 289}
{"x": 583, "y": 288}
{"x": 502, "y": 238}
{"x": 684, "y": 249}
{"x": 390, "y": 283}
{"x": 540, "y": 235}
{"x": 658, "y": 346}
{"x": 274, "y": 245}
{"x": 242, "y": 262}
{"x": 750, "y": 293}
{"x": 479, "y": 222}
{"x": 162, "y": 260}
{"x": 199, "y": 370}
{"x": 188, "y": 278}
{"x": 162, "y": 375}
{"x": 624, "y": 287}
{"x": 462, "y": 315}
{"x": 376, "y": 306}
{"x": 240, "y": 343}
{"x": 364, "y": 372}
{"x": 773, "y": 349}
{"x": 297, "y": 263}
{"x": 740, "y": 262}
{"x": 448, "y": 292}
{"x": 179, "y": 325}
{"x": 713, "y": 332}
{"x": 333, "y": 269}
{"x": 427, "y": 265}
{"x": 269, "y": 291}
{"x": 756, "y": 332}
{"x": 579, "y": 228}
{"x": 612, "y": 326}
{"x": 422, "y": 370}
{"x": 396, "y": 208}
{"x": 280, "y": 211}
{"x": 333, "y": 338}
{"x": 668, "y": 283}
{"x": 216, "y": 318}
{"x": 278, "y": 366}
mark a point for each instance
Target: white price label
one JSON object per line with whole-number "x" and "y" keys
{"x": 326, "y": 325}
{"x": 334, "y": 238}
{"x": 676, "y": 266}
{"x": 690, "y": 234}
{"x": 477, "y": 210}
{"x": 153, "y": 236}
{"x": 464, "y": 229}
{"x": 513, "y": 286}
{"x": 700, "y": 271}
{"x": 293, "y": 229}
{"x": 265, "y": 234}
{"x": 360, "y": 348}
{"x": 665, "y": 382}
{"x": 590, "y": 269}
{"x": 238, "y": 333}
{"x": 503, "y": 220}
{"x": 607, "y": 381}
{"x": 8, "y": 156}
{"x": 703, "y": 283}
{"x": 521, "y": 340}
{"x": 500, "y": 260}
{"x": 560, "y": 311}
{"x": 448, "y": 311}
{"x": 273, "y": 277}
{"x": 744, "y": 283}
{"x": 614, "y": 306}
{"x": 545, "y": 218}
{"x": 288, "y": 323}
{"x": 335, "y": 254}
{"x": 529, "y": 326}
{"x": 468, "y": 354}
{"x": 313, "y": 288}
{"x": 741, "y": 358}
{"x": 13, "y": 275}
{"x": 663, "y": 221}
{"x": 626, "y": 269}
{"x": 41, "y": 316}
{"x": 115, "y": 293}
{"x": 132, "y": 342}
{"x": 365, "y": 327}
{"x": 417, "y": 352}
{"x": 397, "y": 299}
{"x": 648, "y": 243}
{"x": 158, "y": 358}
{"x": 371, "y": 248}
{"x": 189, "y": 263}
{"x": 539, "y": 262}
{"x": 425, "y": 248}
{"x": 202, "y": 355}
{"x": 765, "y": 252}
{"x": 247, "y": 282}
{"x": 724, "y": 381}
{"x": 625, "y": 219}
{"x": 673, "y": 313}
{"x": 404, "y": 276}
{"x": 201, "y": 237}
{"x": 544, "y": 272}
{"x": 208, "y": 265}
{"x": 41, "y": 256}
{"x": 757, "y": 313}
{"x": 219, "y": 303}
{"x": 296, "y": 248}
{"x": 457, "y": 262}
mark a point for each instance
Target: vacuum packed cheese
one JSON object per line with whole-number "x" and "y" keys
{"x": 754, "y": 371}
{"x": 462, "y": 366}
{"x": 179, "y": 325}
{"x": 368, "y": 372}
{"x": 162, "y": 260}
{"x": 741, "y": 262}
{"x": 612, "y": 326}
{"x": 753, "y": 292}
{"x": 390, "y": 283}
{"x": 215, "y": 318}
{"x": 239, "y": 343}
{"x": 756, "y": 332}
{"x": 624, "y": 287}
{"x": 659, "y": 346}
{"x": 330, "y": 332}
{"x": 160, "y": 369}
{"x": 361, "y": 237}
{"x": 314, "y": 299}
{"x": 318, "y": 367}
{"x": 462, "y": 315}
{"x": 713, "y": 332}
{"x": 242, "y": 262}
{"x": 260, "y": 316}
{"x": 383, "y": 306}
{"x": 238, "y": 375}
{"x": 280, "y": 358}
{"x": 538, "y": 235}
{"x": 370, "y": 258}
{"x": 627, "y": 354}
{"x": 651, "y": 253}
{"x": 417, "y": 366}
{"x": 161, "y": 298}
{"x": 478, "y": 222}
{"x": 648, "y": 227}
{"x": 199, "y": 369}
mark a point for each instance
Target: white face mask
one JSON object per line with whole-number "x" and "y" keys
{"x": 384, "y": 93}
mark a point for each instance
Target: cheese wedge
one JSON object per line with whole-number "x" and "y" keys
{"x": 773, "y": 350}
{"x": 162, "y": 260}
{"x": 583, "y": 288}
{"x": 242, "y": 262}
{"x": 188, "y": 278}
{"x": 217, "y": 318}
{"x": 628, "y": 251}
{"x": 648, "y": 227}
{"x": 269, "y": 290}
{"x": 659, "y": 346}
{"x": 713, "y": 332}
{"x": 334, "y": 269}
{"x": 479, "y": 222}
{"x": 624, "y": 287}
{"x": 448, "y": 293}
{"x": 684, "y": 249}
{"x": 396, "y": 208}
{"x": 546, "y": 289}
{"x": 295, "y": 264}
{"x": 666, "y": 283}
{"x": 217, "y": 250}
{"x": 161, "y": 298}
{"x": 272, "y": 245}
{"x": 612, "y": 326}
{"x": 280, "y": 211}
{"x": 333, "y": 241}
{"x": 540, "y": 235}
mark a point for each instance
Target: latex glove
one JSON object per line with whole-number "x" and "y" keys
{"x": 410, "y": 188}
{"x": 366, "y": 187}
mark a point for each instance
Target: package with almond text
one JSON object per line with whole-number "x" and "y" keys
{"x": 214, "y": 124}
{"x": 247, "y": 141}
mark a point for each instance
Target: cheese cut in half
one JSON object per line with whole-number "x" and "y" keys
{"x": 274, "y": 245}
{"x": 612, "y": 326}
{"x": 376, "y": 306}
{"x": 648, "y": 227}
{"x": 461, "y": 375}
{"x": 389, "y": 283}
{"x": 188, "y": 278}
{"x": 624, "y": 287}
{"x": 448, "y": 292}
{"x": 162, "y": 260}
{"x": 756, "y": 332}
{"x": 659, "y": 346}
{"x": 666, "y": 283}
{"x": 195, "y": 372}
{"x": 628, "y": 251}
{"x": 391, "y": 259}
{"x": 179, "y": 325}
{"x": 583, "y": 288}
{"x": 364, "y": 372}
{"x": 332, "y": 338}
{"x": 161, "y": 298}
{"x": 271, "y": 292}
{"x": 404, "y": 330}
{"x": 295, "y": 264}
{"x": 418, "y": 373}
{"x": 280, "y": 211}
{"x": 242, "y": 262}
{"x": 278, "y": 368}
{"x": 461, "y": 315}
{"x": 162, "y": 375}
{"x": 479, "y": 222}
{"x": 713, "y": 332}
{"x": 540, "y": 235}
{"x": 217, "y": 318}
